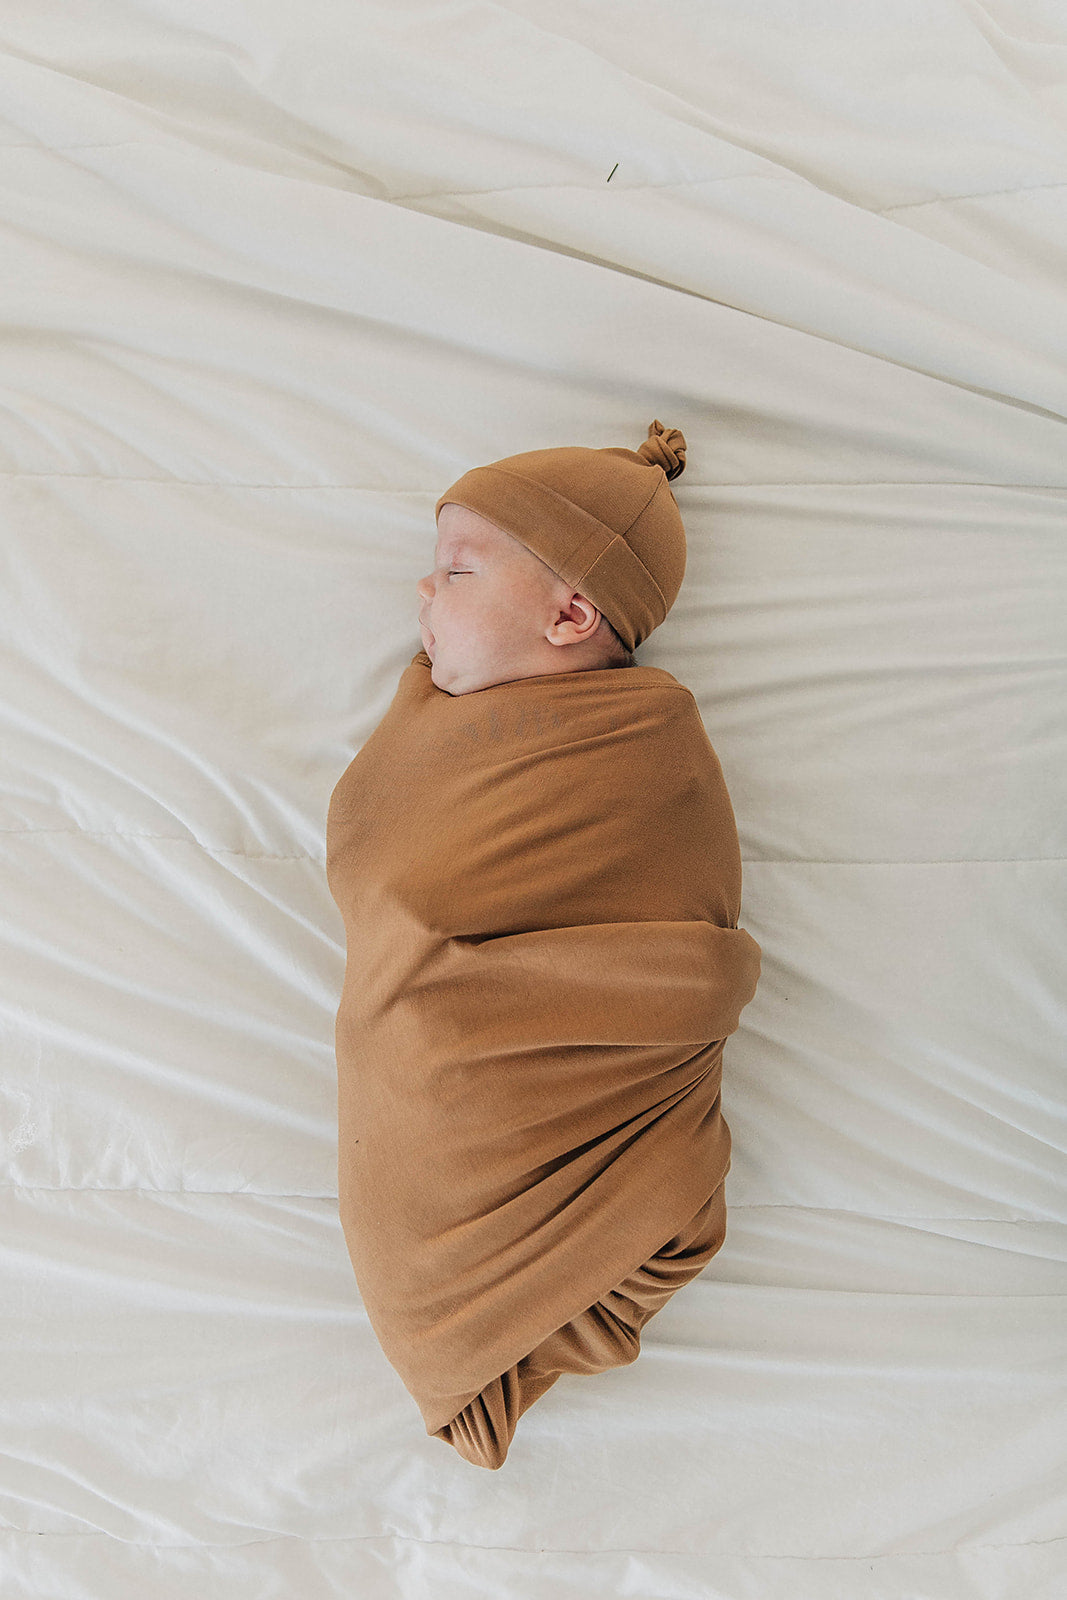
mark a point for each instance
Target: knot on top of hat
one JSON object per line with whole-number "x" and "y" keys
{"x": 664, "y": 447}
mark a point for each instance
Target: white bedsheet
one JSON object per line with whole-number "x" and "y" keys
{"x": 273, "y": 277}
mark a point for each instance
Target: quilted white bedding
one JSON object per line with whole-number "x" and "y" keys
{"x": 272, "y": 277}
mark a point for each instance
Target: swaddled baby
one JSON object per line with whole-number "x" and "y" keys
{"x": 537, "y": 863}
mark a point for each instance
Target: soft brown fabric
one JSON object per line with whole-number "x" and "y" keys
{"x": 606, "y": 1335}
{"x": 540, "y": 884}
{"x": 604, "y": 520}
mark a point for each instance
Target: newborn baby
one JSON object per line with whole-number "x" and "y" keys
{"x": 538, "y": 868}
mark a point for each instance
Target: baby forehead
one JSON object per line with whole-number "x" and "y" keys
{"x": 477, "y": 546}
{"x": 473, "y": 538}
{"x": 453, "y": 549}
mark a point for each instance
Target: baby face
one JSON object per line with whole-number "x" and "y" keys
{"x": 492, "y": 611}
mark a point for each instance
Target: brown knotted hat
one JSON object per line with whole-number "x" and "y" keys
{"x": 603, "y": 520}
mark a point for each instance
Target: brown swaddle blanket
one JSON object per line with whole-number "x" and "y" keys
{"x": 540, "y": 884}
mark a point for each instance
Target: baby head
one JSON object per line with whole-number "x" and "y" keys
{"x": 492, "y": 611}
{"x": 553, "y": 561}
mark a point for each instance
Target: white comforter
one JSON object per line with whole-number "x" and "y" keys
{"x": 272, "y": 277}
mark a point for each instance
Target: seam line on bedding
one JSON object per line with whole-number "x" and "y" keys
{"x": 166, "y": 838}
{"x": 795, "y": 179}
{"x": 182, "y": 141}
{"x": 521, "y": 1550}
{"x": 934, "y": 861}
{"x": 950, "y": 199}
{"x": 725, "y": 483}
{"x": 96, "y": 144}
{"x": 753, "y": 861}
{"x": 593, "y": 187}
{"x": 263, "y": 1194}
{"x": 210, "y": 1194}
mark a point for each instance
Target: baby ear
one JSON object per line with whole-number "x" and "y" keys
{"x": 577, "y": 620}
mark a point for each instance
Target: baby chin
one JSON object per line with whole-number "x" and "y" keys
{"x": 438, "y": 674}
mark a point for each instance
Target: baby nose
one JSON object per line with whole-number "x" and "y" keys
{"x": 423, "y": 589}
